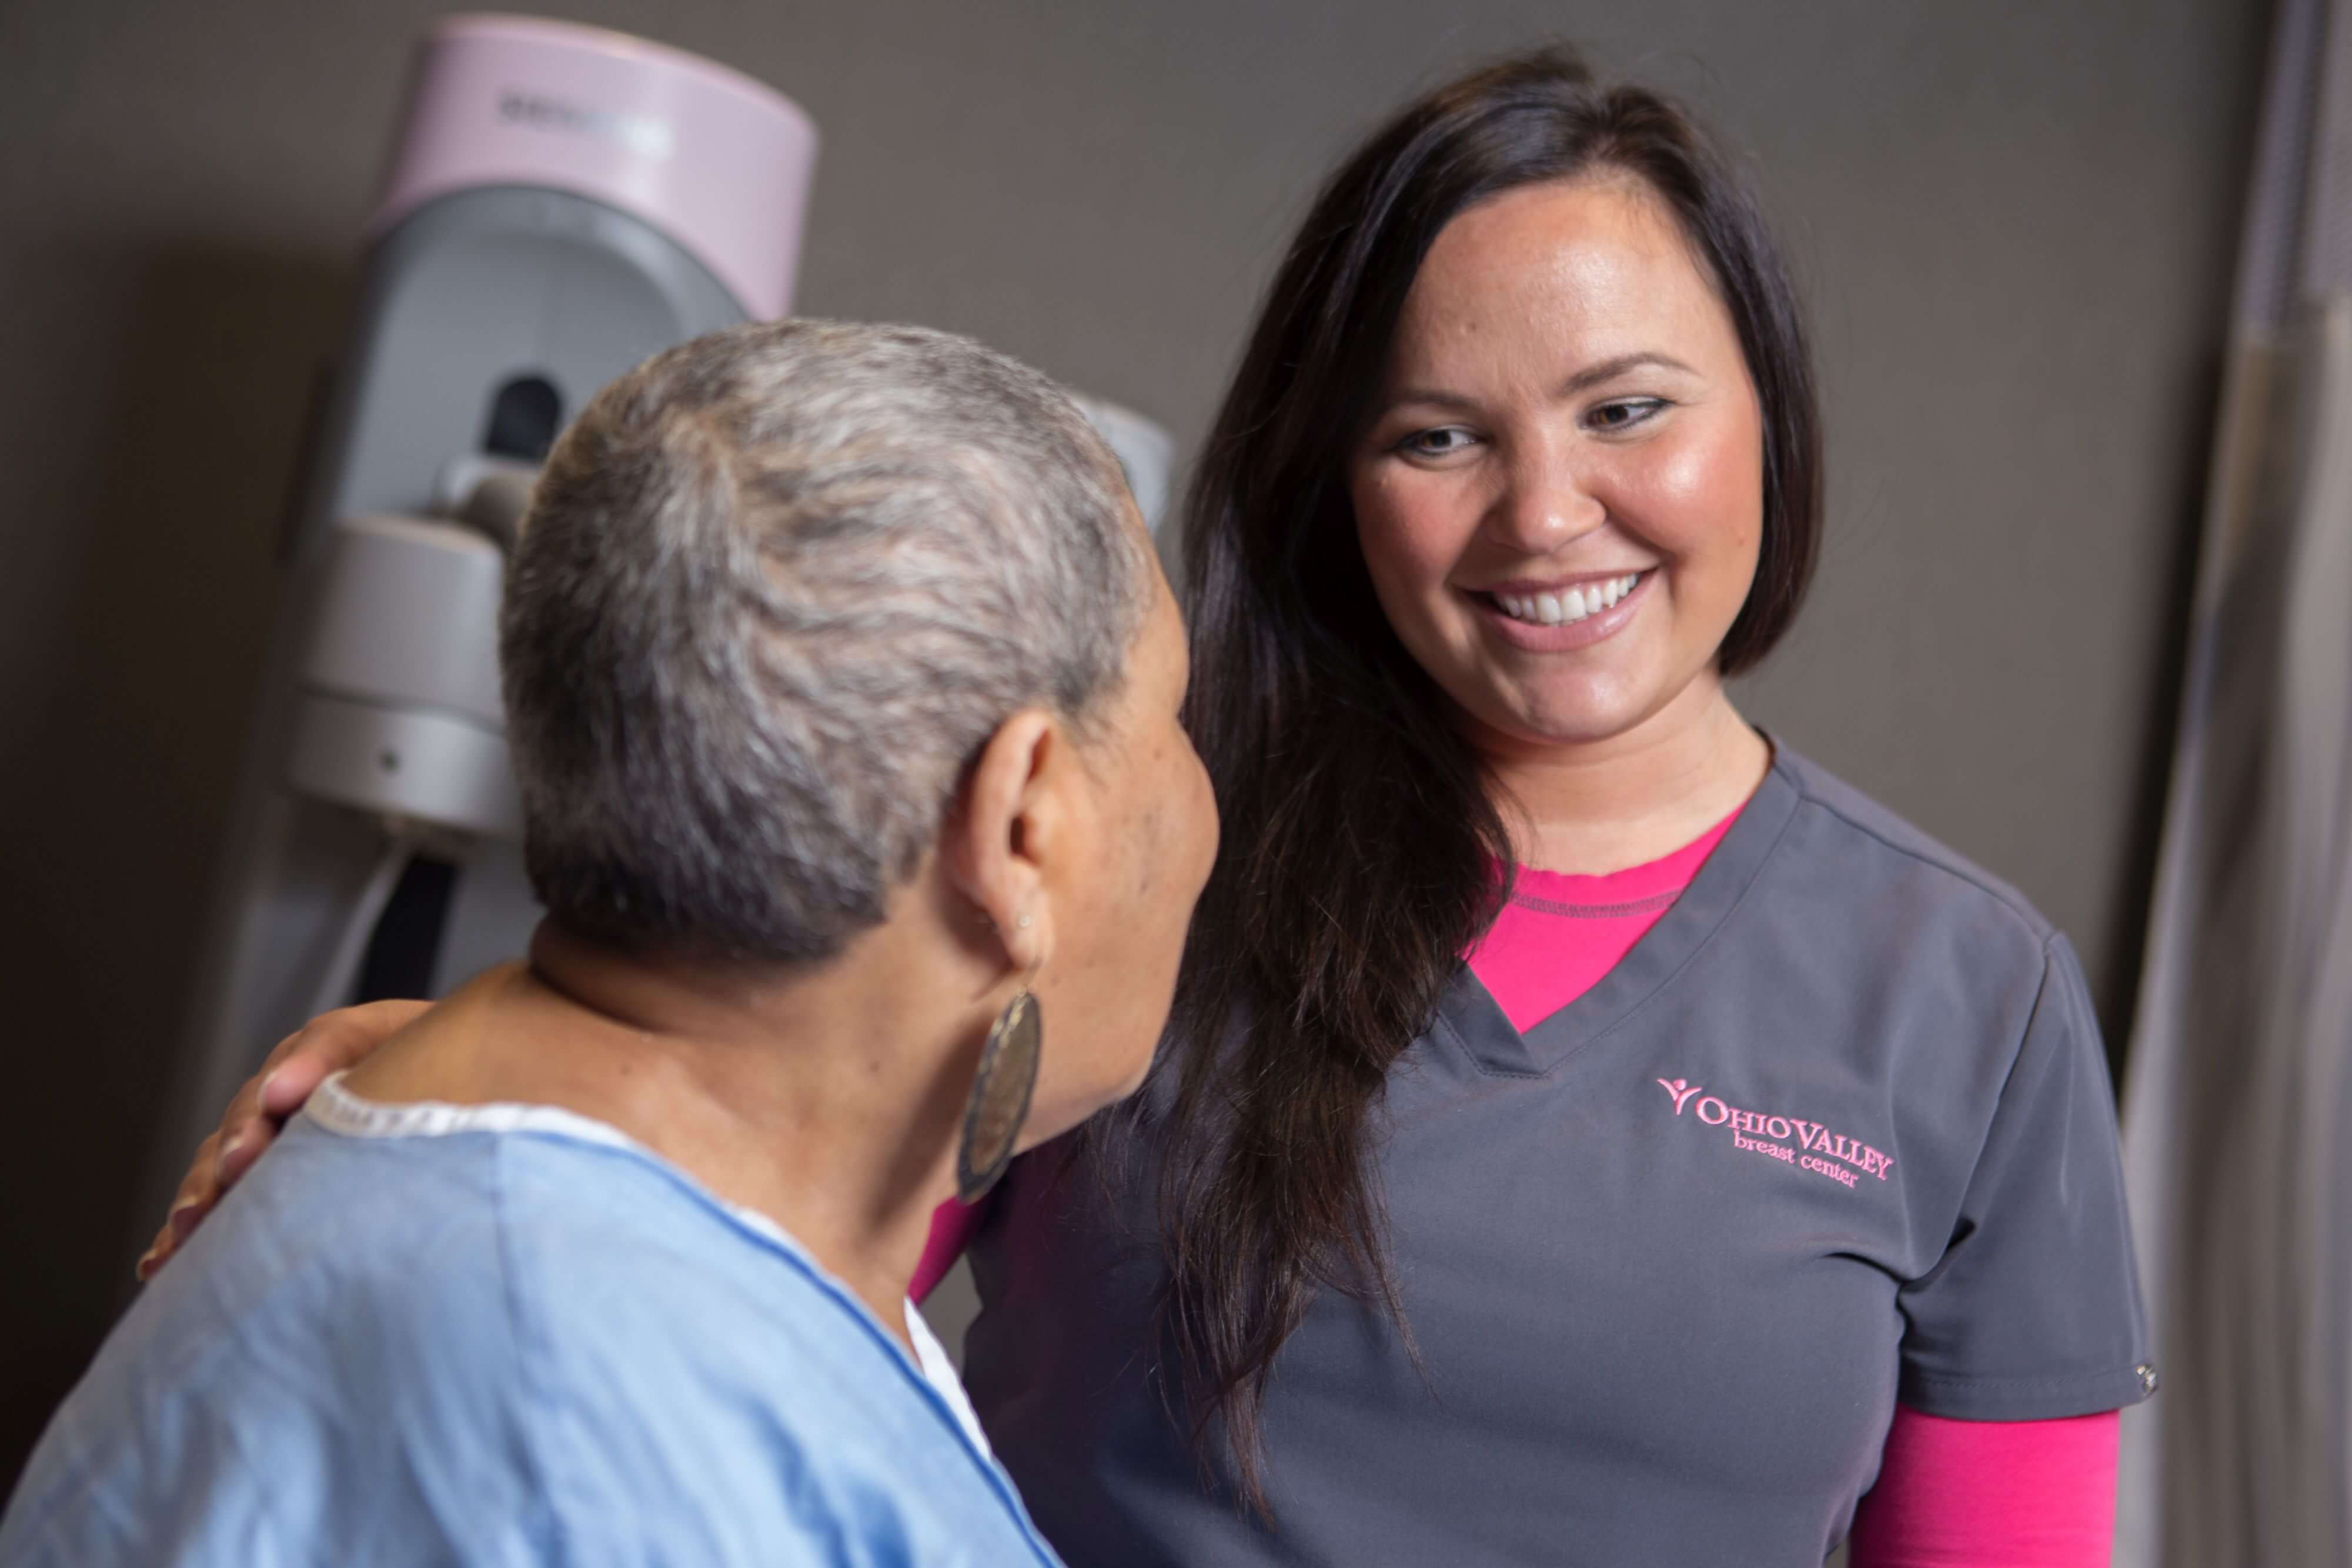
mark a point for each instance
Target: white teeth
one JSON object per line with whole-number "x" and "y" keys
{"x": 1567, "y": 609}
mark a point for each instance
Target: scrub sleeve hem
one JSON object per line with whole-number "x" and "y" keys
{"x": 2026, "y": 1398}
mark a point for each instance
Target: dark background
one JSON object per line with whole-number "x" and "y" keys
{"x": 2014, "y": 220}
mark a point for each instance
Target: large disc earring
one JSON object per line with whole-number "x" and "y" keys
{"x": 992, "y": 1117}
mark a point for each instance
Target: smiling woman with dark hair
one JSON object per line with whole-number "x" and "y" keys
{"x": 1587, "y": 1132}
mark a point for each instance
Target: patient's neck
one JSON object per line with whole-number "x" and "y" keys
{"x": 826, "y": 1098}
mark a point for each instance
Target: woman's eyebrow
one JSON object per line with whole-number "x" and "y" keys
{"x": 1427, "y": 396}
{"x": 1590, "y": 376}
{"x": 1607, "y": 370}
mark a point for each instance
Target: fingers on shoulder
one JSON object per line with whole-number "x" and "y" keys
{"x": 327, "y": 1045}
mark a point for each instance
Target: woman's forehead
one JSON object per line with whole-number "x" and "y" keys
{"x": 1587, "y": 265}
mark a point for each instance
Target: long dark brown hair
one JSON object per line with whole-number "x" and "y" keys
{"x": 1359, "y": 833}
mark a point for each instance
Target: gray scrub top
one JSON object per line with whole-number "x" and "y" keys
{"x": 1836, "y": 1133}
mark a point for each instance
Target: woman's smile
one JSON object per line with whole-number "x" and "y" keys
{"x": 1557, "y": 615}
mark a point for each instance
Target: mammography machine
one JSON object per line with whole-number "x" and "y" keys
{"x": 564, "y": 202}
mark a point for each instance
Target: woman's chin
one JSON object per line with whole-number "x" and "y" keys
{"x": 1592, "y": 709}
{"x": 1566, "y": 722}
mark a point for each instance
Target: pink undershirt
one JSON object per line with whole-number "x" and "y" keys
{"x": 2025, "y": 1494}
{"x": 1560, "y": 934}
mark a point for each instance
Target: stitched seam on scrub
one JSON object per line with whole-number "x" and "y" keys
{"x": 2051, "y": 1380}
{"x": 2036, "y": 926}
{"x": 1649, "y": 906}
{"x": 1665, "y": 982}
{"x": 2000, "y": 1098}
{"x": 1755, "y": 874}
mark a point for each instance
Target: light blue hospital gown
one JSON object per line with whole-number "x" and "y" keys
{"x": 504, "y": 1335}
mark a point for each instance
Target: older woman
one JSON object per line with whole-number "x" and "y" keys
{"x": 605, "y": 1257}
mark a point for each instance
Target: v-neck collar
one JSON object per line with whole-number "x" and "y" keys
{"x": 1469, "y": 1012}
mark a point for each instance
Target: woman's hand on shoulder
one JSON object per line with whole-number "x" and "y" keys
{"x": 303, "y": 1059}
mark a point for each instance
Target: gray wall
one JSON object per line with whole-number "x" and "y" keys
{"x": 2015, "y": 221}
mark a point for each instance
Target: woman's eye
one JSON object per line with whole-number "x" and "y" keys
{"x": 1443, "y": 442}
{"x": 1625, "y": 412}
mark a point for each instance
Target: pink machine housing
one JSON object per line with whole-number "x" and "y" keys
{"x": 563, "y": 202}
{"x": 715, "y": 160}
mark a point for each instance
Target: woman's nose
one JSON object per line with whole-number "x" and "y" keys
{"x": 1548, "y": 504}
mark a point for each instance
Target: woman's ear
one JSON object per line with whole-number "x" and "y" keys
{"x": 1008, "y": 845}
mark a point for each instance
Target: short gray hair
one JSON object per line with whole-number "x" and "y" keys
{"x": 776, "y": 589}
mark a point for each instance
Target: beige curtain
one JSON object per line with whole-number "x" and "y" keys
{"x": 2238, "y": 1095}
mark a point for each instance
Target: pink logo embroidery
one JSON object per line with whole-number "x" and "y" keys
{"x": 1842, "y": 1159}
{"x": 1681, "y": 1089}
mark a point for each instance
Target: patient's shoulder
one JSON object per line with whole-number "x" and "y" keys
{"x": 331, "y": 1356}
{"x": 707, "y": 1383}
{"x": 610, "y": 1253}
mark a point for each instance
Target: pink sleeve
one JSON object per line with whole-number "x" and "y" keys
{"x": 953, "y": 1224}
{"x": 2025, "y": 1494}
